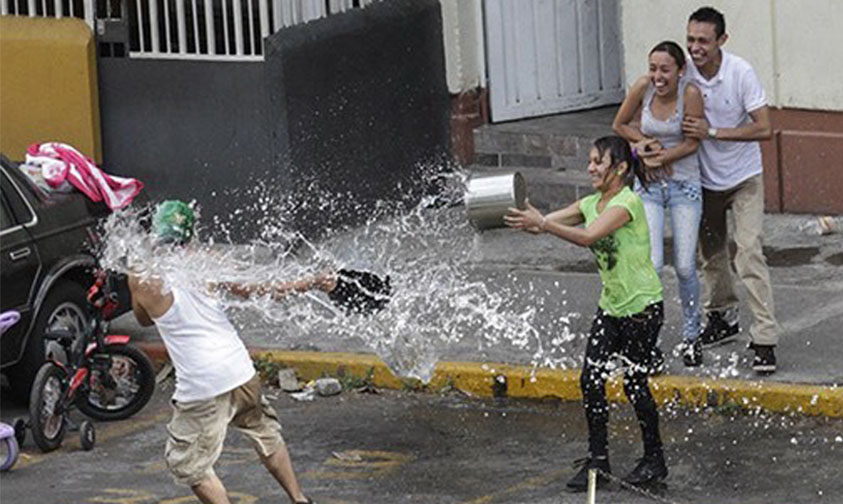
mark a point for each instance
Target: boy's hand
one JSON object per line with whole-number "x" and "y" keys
{"x": 325, "y": 281}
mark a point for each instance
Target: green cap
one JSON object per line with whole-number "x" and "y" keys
{"x": 173, "y": 222}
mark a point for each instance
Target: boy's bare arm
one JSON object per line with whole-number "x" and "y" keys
{"x": 147, "y": 299}
{"x": 279, "y": 290}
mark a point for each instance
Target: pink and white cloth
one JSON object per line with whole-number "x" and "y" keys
{"x": 62, "y": 167}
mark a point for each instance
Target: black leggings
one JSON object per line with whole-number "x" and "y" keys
{"x": 633, "y": 340}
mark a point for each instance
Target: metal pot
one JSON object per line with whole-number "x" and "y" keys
{"x": 487, "y": 198}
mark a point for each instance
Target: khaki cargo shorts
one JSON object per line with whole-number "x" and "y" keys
{"x": 197, "y": 430}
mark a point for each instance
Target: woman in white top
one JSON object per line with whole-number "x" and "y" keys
{"x": 662, "y": 98}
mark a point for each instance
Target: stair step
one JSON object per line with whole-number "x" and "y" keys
{"x": 560, "y": 141}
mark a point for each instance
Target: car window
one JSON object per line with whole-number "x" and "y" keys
{"x": 5, "y": 219}
{"x": 18, "y": 209}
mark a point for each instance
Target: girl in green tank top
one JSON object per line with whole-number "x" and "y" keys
{"x": 630, "y": 312}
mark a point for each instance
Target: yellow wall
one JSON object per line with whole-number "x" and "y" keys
{"x": 48, "y": 85}
{"x": 794, "y": 45}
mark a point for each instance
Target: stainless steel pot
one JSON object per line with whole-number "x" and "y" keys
{"x": 487, "y": 198}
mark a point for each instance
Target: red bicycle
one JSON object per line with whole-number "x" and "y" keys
{"x": 105, "y": 378}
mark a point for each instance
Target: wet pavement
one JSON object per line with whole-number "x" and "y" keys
{"x": 446, "y": 448}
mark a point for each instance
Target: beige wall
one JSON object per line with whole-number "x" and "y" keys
{"x": 48, "y": 85}
{"x": 462, "y": 27}
{"x": 794, "y": 45}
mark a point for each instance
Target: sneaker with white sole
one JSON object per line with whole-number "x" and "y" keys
{"x": 718, "y": 330}
{"x": 765, "y": 359}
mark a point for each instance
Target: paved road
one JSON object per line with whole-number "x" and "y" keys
{"x": 426, "y": 448}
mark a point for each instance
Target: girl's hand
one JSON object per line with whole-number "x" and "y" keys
{"x": 647, "y": 145}
{"x": 529, "y": 219}
{"x": 656, "y": 164}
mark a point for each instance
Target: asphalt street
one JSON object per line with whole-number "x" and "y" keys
{"x": 446, "y": 448}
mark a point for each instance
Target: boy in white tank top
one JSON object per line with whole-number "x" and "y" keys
{"x": 209, "y": 396}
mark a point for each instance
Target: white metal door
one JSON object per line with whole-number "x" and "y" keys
{"x": 549, "y": 56}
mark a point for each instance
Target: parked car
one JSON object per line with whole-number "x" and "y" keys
{"x": 46, "y": 243}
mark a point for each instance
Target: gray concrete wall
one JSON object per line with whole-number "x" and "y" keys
{"x": 366, "y": 101}
{"x": 353, "y": 102}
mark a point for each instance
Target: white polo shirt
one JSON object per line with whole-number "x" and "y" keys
{"x": 729, "y": 97}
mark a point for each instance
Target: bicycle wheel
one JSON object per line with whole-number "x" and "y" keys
{"x": 119, "y": 388}
{"x": 48, "y": 424}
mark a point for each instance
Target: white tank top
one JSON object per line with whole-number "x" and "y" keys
{"x": 208, "y": 354}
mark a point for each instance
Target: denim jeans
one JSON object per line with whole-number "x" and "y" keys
{"x": 684, "y": 199}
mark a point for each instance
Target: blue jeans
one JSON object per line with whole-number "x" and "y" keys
{"x": 684, "y": 199}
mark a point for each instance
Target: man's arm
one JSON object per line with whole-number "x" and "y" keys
{"x": 148, "y": 300}
{"x": 758, "y": 129}
{"x": 141, "y": 315}
{"x": 279, "y": 290}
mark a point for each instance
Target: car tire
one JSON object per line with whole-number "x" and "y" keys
{"x": 66, "y": 304}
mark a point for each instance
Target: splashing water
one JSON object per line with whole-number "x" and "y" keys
{"x": 426, "y": 250}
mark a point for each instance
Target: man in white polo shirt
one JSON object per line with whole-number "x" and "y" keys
{"x": 737, "y": 117}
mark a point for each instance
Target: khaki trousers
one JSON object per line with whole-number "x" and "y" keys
{"x": 746, "y": 200}
{"x": 198, "y": 428}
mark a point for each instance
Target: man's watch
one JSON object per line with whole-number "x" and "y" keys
{"x": 712, "y": 132}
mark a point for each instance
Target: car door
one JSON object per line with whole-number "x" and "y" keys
{"x": 19, "y": 264}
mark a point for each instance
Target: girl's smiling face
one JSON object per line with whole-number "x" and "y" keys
{"x": 599, "y": 169}
{"x": 664, "y": 73}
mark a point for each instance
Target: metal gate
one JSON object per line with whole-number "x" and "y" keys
{"x": 549, "y": 56}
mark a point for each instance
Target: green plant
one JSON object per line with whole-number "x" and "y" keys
{"x": 352, "y": 382}
{"x": 268, "y": 368}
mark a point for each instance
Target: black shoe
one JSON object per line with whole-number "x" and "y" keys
{"x": 650, "y": 469}
{"x": 717, "y": 331}
{"x": 579, "y": 483}
{"x": 692, "y": 353}
{"x": 765, "y": 359}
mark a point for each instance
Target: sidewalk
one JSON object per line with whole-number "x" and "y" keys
{"x": 807, "y": 273}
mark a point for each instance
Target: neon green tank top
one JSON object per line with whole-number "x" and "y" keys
{"x": 630, "y": 282}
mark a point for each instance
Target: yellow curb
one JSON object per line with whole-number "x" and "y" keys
{"x": 521, "y": 382}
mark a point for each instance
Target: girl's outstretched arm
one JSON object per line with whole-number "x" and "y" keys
{"x": 531, "y": 220}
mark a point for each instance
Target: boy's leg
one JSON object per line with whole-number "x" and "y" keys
{"x": 196, "y": 434}
{"x": 714, "y": 251}
{"x": 281, "y": 467}
{"x": 258, "y": 420}
{"x": 211, "y": 491}
{"x": 748, "y": 208}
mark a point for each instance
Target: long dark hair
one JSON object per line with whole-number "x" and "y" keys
{"x": 673, "y": 49}
{"x": 619, "y": 151}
